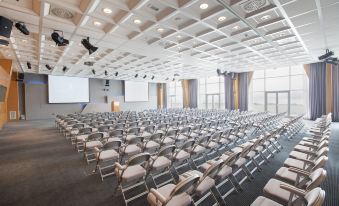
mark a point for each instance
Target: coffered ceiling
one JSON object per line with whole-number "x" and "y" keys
{"x": 170, "y": 38}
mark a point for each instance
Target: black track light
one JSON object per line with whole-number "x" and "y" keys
{"x": 48, "y": 67}
{"x": 145, "y": 76}
{"x": 136, "y": 76}
{"x": 22, "y": 27}
{"x": 29, "y": 66}
{"x": 173, "y": 79}
{"x": 91, "y": 49}
{"x": 93, "y": 71}
{"x": 106, "y": 72}
{"x": 167, "y": 79}
{"x": 116, "y": 74}
{"x": 326, "y": 55}
{"x": 59, "y": 39}
{"x": 152, "y": 77}
{"x": 218, "y": 72}
{"x": 64, "y": 69}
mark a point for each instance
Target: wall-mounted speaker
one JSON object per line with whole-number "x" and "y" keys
{"x": 107, "y": 83}
{"x": 21, "y": 77}
{"x": 5, "y": 27}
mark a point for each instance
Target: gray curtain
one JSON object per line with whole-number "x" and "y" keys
{"x": 229, "y": 96}
{"x": 335, "y": 93}
{"x": 164, "y": 89}
{"x": 193, "y": 93}
{"x": 317, "y": 91}
{"x": 243, "y": 91}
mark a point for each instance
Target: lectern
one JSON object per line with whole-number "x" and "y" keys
{"x": 115, "y": 106}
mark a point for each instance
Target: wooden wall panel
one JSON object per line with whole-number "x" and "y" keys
{"x": 13, "y": 97}
{"x": 5, "y": 78}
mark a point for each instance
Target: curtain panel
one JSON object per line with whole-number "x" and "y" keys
{"x": 317, "y": 90}
{"x": 335, "y": 93}
{"x": 193, "y": 93}
{"x": 229, "y": 95}
{"x": 243, "y": 91}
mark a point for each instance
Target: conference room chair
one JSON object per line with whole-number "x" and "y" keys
{"x": 173, "y": 195}
{"x": 169, "y": 137}
{"x": 131, "y": 176}
{"x": 147, "y": 131}
{"x": 131, "y": 147}
{"x": 315, "y": 197}
{"x": 181, "y": 157}
{"x": 151, "y": 144}
{"x": 160, "y": 165}
{"x": 106, "y": 157}
{"x": 91, "y": 142}
{"x": 132, "y": 133}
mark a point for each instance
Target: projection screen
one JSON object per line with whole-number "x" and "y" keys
{"x": 62, "y": 89}
{"x": 136, "y": 91}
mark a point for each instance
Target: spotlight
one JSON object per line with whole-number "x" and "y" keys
{"x": 218, "y": 72}
{"x": 326, "y": 55}
{"x": 59, "y": 40}
{"x": 116, "y": 74}
{"x": 145, "y": 76}
{"x": 136, "y": 76}
{"x": 22, "y": 27}
{"x": 173, "y": 79}
{"x": 152, "y": 77}
{"x": 333, "y": 61}
{"x": 64, "y": 69}
{"x": 167, "y": 78}
{"x": 106, "y": 72}
{"x": 29, "y": 66}
{"x": 48, "y": 67}
{"x": 91, "y": 49}
{"x": 93, "y": 71}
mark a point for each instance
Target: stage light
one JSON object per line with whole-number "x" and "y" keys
{"x": 91, "y": 49}
{"x": 116, "y": 74}
{"x": 326, "y": 55}
{"x": 152, "y": 77}
{"x": 59, "y": 40}
{"x": 145, "y": 76}
{"x": 48, "y": 67}
{"x": 64, "y": 69}
{"x": 22, "y": 28}
{"x": 29, "y": 66}
{"x": 93, "y": 71}
{"x": 106, "y": 72}
{"x": 136, "y": 76}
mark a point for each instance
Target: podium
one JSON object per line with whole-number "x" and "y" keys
{"x": 115, "y": 106}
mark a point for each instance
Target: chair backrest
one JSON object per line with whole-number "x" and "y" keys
{"x": 213, "y": 169}
{"x": 150, "y": 128}
{"x": 323, "y": 151}
{"x": 231, "y": 158}
{"x": 156, "y": 136}
{"x": 172, "y": 133}
{"x": 320, "y": 162}
{"x": 185, "y": 130}
{"x": 104, "y": 128}
{"x": 113, "y": 144}
{"x": 86, "y": 130}
{"x": 136, "y": 140}
{"x": 116, "y": 133}
{"x": 216, "y": 135}
{"x": 167, "y": 150}
{"x": 134, "y": 130}
{"x": 245, "y": 150}
{"x": 189, "y": 143}
{"x": 95, "y": 136}
{"x": 184, "y": 185}
{"x": 119, "y": 126}
{"x": 315, "y": 197}
{"x": 316, "y": 178}
{"x": 138, "y": 159}
{"x": 78, "y": 126}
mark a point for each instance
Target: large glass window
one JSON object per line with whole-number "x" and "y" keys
{"x": 211, "y": 93}
{"x": 175, "y": 98}
{"x": 290, "y": 79}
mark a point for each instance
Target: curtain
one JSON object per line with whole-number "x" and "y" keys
{"x": 229, "y": 96}
{"x": 164, "y": 94}
{"x": 317, "y": 90}
{"x": 193, "y": 93}
{"x": 185, "y": 93}
{"x": 243, "y": 91}
{"x": 307, "y": 99}
{"x": 335, "y": 92}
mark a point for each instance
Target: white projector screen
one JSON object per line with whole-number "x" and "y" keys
{"x": 62, "y": 89}
{"x": 136, "y": 91}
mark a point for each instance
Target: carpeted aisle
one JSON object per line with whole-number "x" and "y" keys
{"x": 39, "y": 167}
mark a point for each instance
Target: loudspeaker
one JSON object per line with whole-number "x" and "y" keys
{"x": 107, "y": 83}
{"x": 21, "y": 77}
{"x": 5, "y": 27}
{"x": 106, "y": 99}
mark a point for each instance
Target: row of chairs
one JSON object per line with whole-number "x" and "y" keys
{"x": 298, "y": 181}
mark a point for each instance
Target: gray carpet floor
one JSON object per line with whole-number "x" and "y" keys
{"x": 39, "y": 167}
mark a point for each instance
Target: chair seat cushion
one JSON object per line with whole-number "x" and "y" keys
{"x": 179, "y": 200}
{"x": 212, "y": 145}
{"x": 240, "y": 162}
{"x": 204, "y": 186}
{"x": 168, "y": 141}
{"x": 299, "y": 155}
{"x": 181, "y": 156}
{"x": 263, "y": 201}
{"x": 108, "y": 155}
{"x": 272, "y": 188}
{"x": 284, "y": 174}
{"x": 130, "y": 137}
{"x": 251, "y": 154}
{"x": 92, "y": 144}
{"x": 132, "y": 173}
{"x": 131, "y": 149}
{"x": 290, "y": 162}
{"x": 224, "y": 141}
{"x": 224, "y": 172}
{"x": 198, "y": 150}
{"x": 82, "y": 138}
{"x": 160, "y": 163}
{"x": 152, "y": 145}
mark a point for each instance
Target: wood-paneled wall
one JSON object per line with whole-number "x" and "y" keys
{"x": 5, "y": 79}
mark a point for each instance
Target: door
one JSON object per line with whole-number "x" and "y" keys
{"x": 277, "y": 102}
{"x": 212, "y": 101}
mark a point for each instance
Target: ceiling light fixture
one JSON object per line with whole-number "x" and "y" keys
{"x": 203, "y": 6}
{"x": 266, "y": 17}
{"x": 97, "y": 23}
{"x": 106, "y": 72}
{"x": 145, "y": 76}
{"x": 64, "y": 69}
{"x": 93, "y": 71}
{"x": 179, "y": 36}
{"x": 152, "y": 77}
{"x": 236, "y": 27}
{"x": 24, "y": 40}
{"x": 137, "y": 21}
{"x": 222, "y": 18}
{"x": 59, "y": 40}
{"x": 136, "y": 76}
{"x": 107, "y": 10}
{"x": 48, "y": 67}
{"x": 160, "y": 30}
{"x": 116, "y": 74}
{"x": 22, "y": 28}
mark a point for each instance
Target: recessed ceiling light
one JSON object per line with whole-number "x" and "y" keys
{"x": 266, "y": 17}
{"x": 107, "y": 10}
{"x": 236, "y": 27}
{"x": 52, "y": 45}
{"x": 179, "y": 36}
{"x": 222, "y": 18}
{"x": 24, "y": 40}
{"x": 203, "y": 6}
{"x": 97, "y": 23}
{"x": 160, "y": 30}
{"x": 137, "y": 21}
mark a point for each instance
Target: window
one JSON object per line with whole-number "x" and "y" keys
{"x": 175, "y": 98}
{"x": 211, "y": 93}
{"x": 291, "y": 79}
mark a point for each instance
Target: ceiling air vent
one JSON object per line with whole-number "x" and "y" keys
{"x": 61, "y": 12}
{"x": 252, "y": 5}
